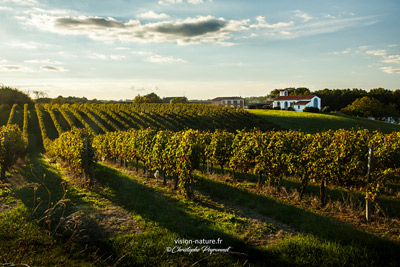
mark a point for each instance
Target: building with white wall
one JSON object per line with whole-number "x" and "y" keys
{"x": 298, "y": 102}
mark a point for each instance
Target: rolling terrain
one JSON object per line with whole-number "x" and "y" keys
{"x": 317, "y": 122}
{"x": 127, "y": 217}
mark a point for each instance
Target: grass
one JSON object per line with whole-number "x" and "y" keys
{"x": 317, "y": 122}
{"x": 130, "y": 220}
{"x": 29, "y": 217}
{"x": 164, "y": 220}
{"x": 382, "y": 251}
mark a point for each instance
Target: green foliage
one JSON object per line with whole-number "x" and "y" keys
{"x": 311, "y": 109}
{"x": 12, "y": 147}
{"x": 326, "y": 109}
{"x": 370, "y": 107}
{"x": 149, "y": 98}
{"x": 181, "y": 100}
{"x": 75, "y": 147}
{"x": 100, "y": 118}
{"x": 25, "y": 124}
{"x": 158, "y": 155}
{"x": 220, "y": 148}
{"x": 257, "y": 99}
{"x": 339, "y": 98}
{"x": 13, "y": 96}
{"x": 292, "y": 91}
{"x": 12, "y": 114}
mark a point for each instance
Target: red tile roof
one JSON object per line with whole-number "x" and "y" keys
{"x": 302, "y": 103}
{"x": 295, "y": 97}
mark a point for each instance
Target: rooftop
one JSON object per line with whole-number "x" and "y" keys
{"x": 294, "y": 97}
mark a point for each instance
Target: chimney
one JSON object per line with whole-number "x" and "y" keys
{"x": 283, "y": 93}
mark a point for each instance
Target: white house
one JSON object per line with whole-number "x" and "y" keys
{"x": 298, "y": 102}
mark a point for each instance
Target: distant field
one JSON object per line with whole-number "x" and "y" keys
{"x": 312, "y": 122}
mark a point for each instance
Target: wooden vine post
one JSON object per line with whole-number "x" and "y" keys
{"x": 3, "y": 168}
{"x": 87, "y": 167}
{"x": 370, "y": 166}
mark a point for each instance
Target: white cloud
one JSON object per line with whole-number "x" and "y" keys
{"x": 53, "y": 68}
{"x": 117, "y": 57}
{"x": 104, "y": 57}
{"x": 14, "y": 68}
{"x": 122, "y": 48}
{"x": 285, "y": 33}
{"x": 261, "y": 23}
{"x": 97, "y": 56}
{"x": 322, "y": 26}
{"x": 26, "y": 45}
{"x": 187, "y": 31}
{"x": 378, "y": 52}
{"x": 239, "y": 64}
{"x": 309, "y": 26}
{"x": 162, "y": 59}
{"x": 142, "y": 53}
{"x": 4, "y": 8}
{"x": 306, "y": 17}
{"x": 54, "y": 11}
{"x": 3, "y": 60}
{"x": 22, "y": 2}
{"x": 344, "y": 52}
{"x": 195, "y": 2}
{"x": 167, "y": 2}
{"x": 201, "y": 29}
{"x": 392, "y": 59}
{"x": 152, "y": 15}
{"x": 42, "y": 61}
{"x": 172, "y": 2}
{"x": 391, "y": 70}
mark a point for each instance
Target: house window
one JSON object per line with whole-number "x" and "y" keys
{"x": 232, "y": 106}
{"x": 298, "y": 107}
{"x": 231, "y": 101}
{"x": 279, "y": 104}
{"x": 286, "y": 104}
{"x": 238, "y": 106}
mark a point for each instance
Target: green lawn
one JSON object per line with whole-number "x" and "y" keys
{"x": 317, "y": 122}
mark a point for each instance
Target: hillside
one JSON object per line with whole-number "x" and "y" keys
{"x": 222, "y": 198}
{"x": 313, "y": 122}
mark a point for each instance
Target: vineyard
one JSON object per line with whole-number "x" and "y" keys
{"x": 214, "y": 156}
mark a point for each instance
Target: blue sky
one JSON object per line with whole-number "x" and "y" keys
{"x": 197, "y": 48}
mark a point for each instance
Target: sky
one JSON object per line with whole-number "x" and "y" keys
{"x": 200, "y": 49}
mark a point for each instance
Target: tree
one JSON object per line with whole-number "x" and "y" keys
{"x": 291, "y": 91}
{"x": 149, "y": 98}
{"x": 12, "y": 96}
{"x": 182, "y": 100}
{"x": 367, "y": 107}
{"x": 339, "y": 98}
{"x": 381, "y": 94}
{"x": 59, "y": 100}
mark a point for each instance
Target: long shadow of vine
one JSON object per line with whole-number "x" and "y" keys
{"x": 323, "y": 227}
{"x": 143, "y": 201}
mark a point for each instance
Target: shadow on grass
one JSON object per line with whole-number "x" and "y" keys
{"x": 77, "y": 227}
{"x": 307, "y": 222}
{"x": 390, "y": 205}
{"x": 141, "y": 200}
